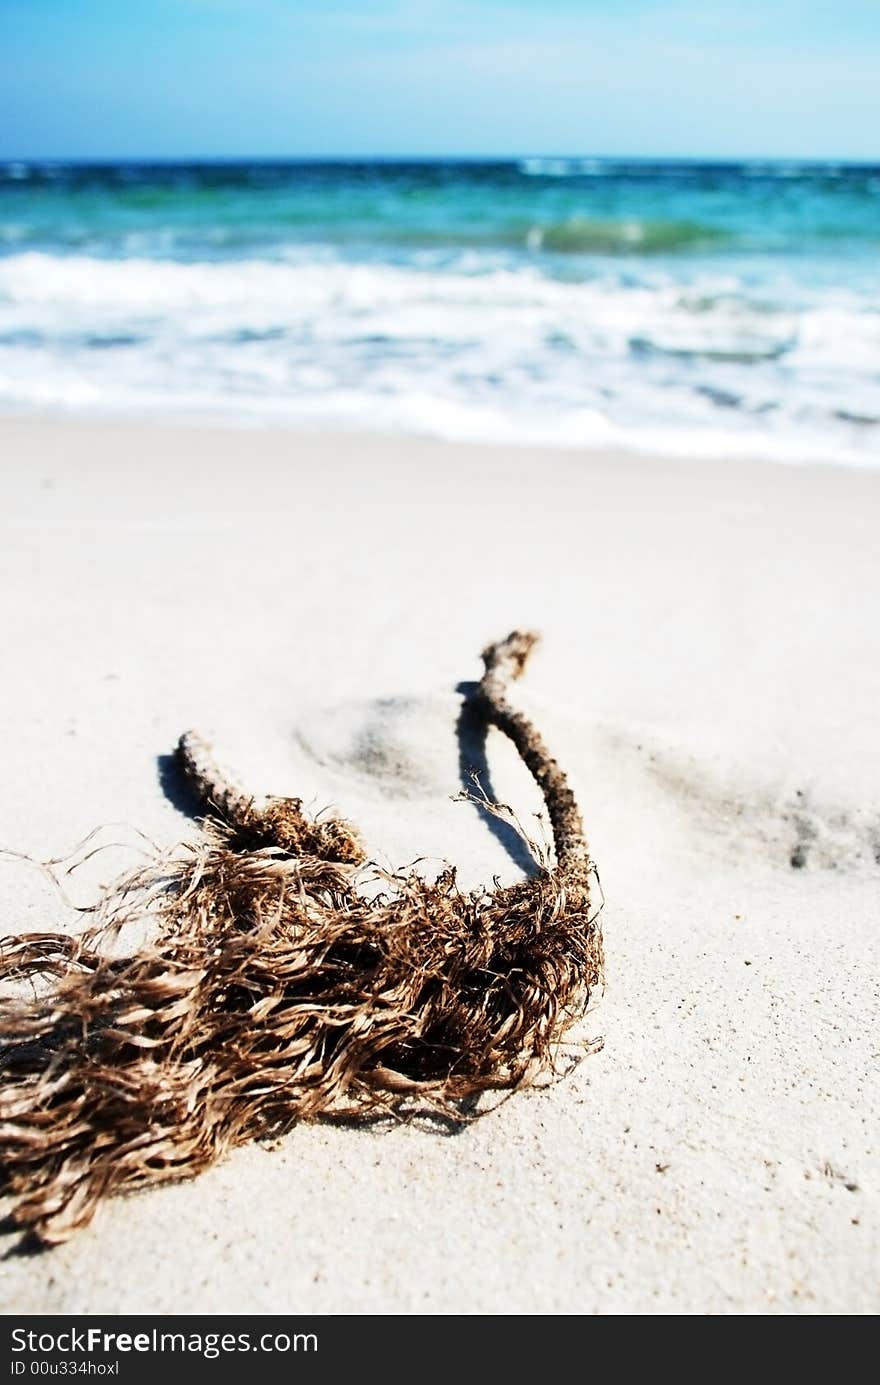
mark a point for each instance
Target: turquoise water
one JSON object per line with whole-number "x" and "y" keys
{"x": 695, "y": 307}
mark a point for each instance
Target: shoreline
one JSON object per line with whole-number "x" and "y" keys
{"x": 258, "y": 423}
{"x": 709, "y": 677}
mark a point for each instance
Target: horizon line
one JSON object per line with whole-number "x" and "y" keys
{"x": 410, "y": 158}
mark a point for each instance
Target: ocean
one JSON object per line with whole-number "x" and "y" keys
{"x": 688, "y": 308}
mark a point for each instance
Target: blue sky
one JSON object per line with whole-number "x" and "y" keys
{"x": 215, "y": 78}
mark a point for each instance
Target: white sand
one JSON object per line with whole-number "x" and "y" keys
{"x": 711, "y": 676}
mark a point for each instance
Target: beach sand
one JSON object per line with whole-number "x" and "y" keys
{"x": 710, "y": 675}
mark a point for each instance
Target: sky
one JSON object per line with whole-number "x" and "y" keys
{"x": 83, "y": 79}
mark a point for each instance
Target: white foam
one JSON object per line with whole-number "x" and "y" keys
{"x": 563, "y": 168}
{"x": 481, "y": 350}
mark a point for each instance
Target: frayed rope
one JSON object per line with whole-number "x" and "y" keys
{"x": 273, "y": 987}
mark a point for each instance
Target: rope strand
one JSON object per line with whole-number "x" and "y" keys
{"x": 505, "y": 662}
